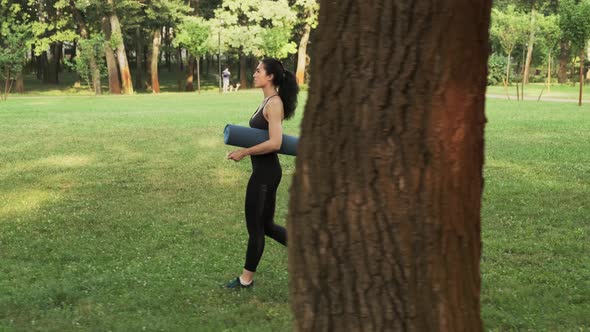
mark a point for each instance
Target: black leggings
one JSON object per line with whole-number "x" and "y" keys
{"x": 260, "y": 207}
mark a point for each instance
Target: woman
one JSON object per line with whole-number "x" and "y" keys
{"x": 280, "y": 100}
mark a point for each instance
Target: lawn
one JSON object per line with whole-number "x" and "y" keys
{"x": 121, "y": 213}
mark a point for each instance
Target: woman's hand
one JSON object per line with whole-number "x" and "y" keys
{"x": 237, "y": 155}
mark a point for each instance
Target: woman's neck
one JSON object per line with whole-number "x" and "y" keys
{"x": 269, "y": 90}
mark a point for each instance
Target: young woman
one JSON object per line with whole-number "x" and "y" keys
{"x": 280, "y": 100}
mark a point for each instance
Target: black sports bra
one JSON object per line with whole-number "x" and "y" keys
{"x": 257, "y": 120}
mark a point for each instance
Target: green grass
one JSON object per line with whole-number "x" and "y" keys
{"x": 121, "y": 213}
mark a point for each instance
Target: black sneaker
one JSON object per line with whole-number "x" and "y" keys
{"x": 236, "y": 284}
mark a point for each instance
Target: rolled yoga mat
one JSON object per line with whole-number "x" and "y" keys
{"x": 246, "y": 137}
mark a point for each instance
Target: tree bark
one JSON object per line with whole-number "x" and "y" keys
{"x": 138, "y": 59}
{"x": 94, "y": 70}
{"x": 167, "y": 54}
{"x": 564, "y": 56}
{"x": 529, "y": 53}
{"x": 191, "y": 70}
{"x": 243, "y": 78}
{"x": 50, "y": 75}
{"x": 302, "y": 55}
{"x": 120, "y": 51}
{"x": 384, "y": 211}
{"x": 157, "y": 39}
{"x": 20, "y": 83}
{"x": 581, "y": 76}
{"x": 114, "y": 84}
{"x": 198, "y": 73}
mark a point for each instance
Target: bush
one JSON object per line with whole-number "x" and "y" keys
{"x": 496, "y": 69}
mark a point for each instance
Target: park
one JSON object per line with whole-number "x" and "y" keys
{"x": 119, "y": 210}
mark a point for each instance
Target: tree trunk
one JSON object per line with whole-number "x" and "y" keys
{"x": 167, "y": 54}
{"x": 198, "y": 74}
{"x": 114, "y": 84}
{"x": 121, "y": 55}
{"x": 508, "y": 70}
{"x": 157, "y": 39}
{"x": 529, "y": 53}
{"x": 384, "y": 220}
{"x": 189, "y": 79}
{"x": 138, "y": 59}
{"x": 50, "y": 75}
{"x": 549, "y": 74}
{"x": 20, "y": 83}
{"x": 94, "y": 70}
{"x": 581, "y": 76}
{"x": 179, "y": 73}
{"x": 564, "y": 55}
{"x": 243, "y": 78}
{"x": 302, "y": 55}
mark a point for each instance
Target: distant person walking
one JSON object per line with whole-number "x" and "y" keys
{"x": 225, "y": 74}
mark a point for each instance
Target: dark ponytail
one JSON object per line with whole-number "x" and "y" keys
{"x": 286, "y": 82}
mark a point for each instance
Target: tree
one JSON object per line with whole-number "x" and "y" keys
{"x": 246, "y": 28}
{"x": 550, "y": 36}
{"x": 193, "y": 34}
{"x": 116, "y": 38}
{"x": 509, "y": 26}
{"x": 574, "y": 21}
{"x": 384, "y": 211}
{"x": 89, "y": 47}
{"x": 15, "y": 38}
{"x": 309, "y": 18}
{"x": 162, "y": 13}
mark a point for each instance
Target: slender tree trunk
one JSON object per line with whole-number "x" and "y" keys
{"x": 167, "y": 54}
{"x": 6, "y": 82}
{"x": 198, "y": 74}
{"x": 508, "y": 70}
{"x": 384, "y": 220}
{"x": 191, "y": 70}
{"x": 581, "y": 76}
{"x": 121, "y": 54}
{"x": 94, "y": 70}
{"x": 302, "y": 55}
{"x": 157, "y": 39}
{"x": 179, "y": 73}
{"x": 114, "y": 84}
{"x": 564, "y": 55}
{"x": 529, "y": 53}
{"x": 243, "y": 78}
{"x": 549, "y": 74}
{"x": 138, "y": 59}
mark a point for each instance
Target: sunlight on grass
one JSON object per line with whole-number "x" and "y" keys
{"x": 23, "y": 201}
{"x": 227, "y": 176}
{"x": 209, "y": 142}
{"x": 67, "y": 161}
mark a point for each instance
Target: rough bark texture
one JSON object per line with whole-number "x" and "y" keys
{"x": 564, "y": 56}
{"x": 157, "y": 39}
{"x": 121, "y": 54}
{"x": 384, "y": 214}
{"x": 114, "y": 84}
{"x": 302, "y": 55}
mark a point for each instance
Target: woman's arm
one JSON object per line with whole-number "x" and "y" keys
{"x": 274, "y": 115}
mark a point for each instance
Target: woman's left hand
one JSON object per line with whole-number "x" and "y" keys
{"x": 236, "y": 155}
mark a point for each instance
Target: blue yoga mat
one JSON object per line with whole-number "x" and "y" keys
{"x": 247, "y": 137}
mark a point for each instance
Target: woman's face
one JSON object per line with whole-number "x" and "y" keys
{"x": 261, "y": 78}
